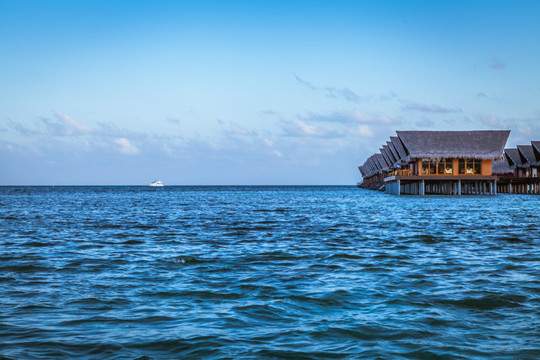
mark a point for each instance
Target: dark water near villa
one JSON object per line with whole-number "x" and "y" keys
{"x": 266, "y": 273}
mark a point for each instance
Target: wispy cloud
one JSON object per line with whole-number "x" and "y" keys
{"x": 23, "y": 129}
{"x": 342, "y": 125}
{"x": 432, "y": 108}
{"x": 489, "y": 120}
{"x": 350, "y": 117}
{"x": 6, "y": 146}
{"x": 299, "y": 128}
{"x": 496, "y": 122}
{"x": 344, "y": 93}
{"x": 126, "y": 147}
{"x": 110, "y": 129}
{"x": 233, "y": 128}
{"x": 523, "y": 129}
{"x": 361, "y": 131}
{"x": 63, "y": 125}
{"x": 305, "y": 83}
{"x": 174, "y": 121}
{"x": 496, "y": 64}
{"x": 333, "y": 92}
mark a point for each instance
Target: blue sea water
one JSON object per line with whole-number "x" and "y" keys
{"x": 266, "y": 273}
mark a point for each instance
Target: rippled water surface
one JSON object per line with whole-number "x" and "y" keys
{"x": 266, "y": 272}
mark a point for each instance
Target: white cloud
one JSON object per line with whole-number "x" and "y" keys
{"x": 361, "y": 130}
{"x": 233, "y": 128}
{"x": 371, "y": 118}
{"x": 240, "y": 130}
{"x": 350, "y": 117}
{"x": 6, "y": 147}
{"x": 126, "y": 147}
{"x": 432, "y": 108}
{"x": 306, "y": 129}
{"x": 301, "y": 129}
{"x": 490, "y": 120}
{"x": 65, "y": 126}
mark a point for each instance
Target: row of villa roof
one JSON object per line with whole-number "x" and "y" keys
{"x": 519, "y": 171}
{"x": 524, "y": 158}
{"x": 450, "y": 162}
{"x": 408, "y": 146}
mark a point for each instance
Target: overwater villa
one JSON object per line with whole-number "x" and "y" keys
{"x": 518, "y": 172}
{"x": 436, "y": 163}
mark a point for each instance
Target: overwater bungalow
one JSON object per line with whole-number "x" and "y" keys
{"x": 519, "y": 171}
{"x": 437, "y": 163}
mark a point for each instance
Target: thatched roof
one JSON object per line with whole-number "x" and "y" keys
{"x": 361, "y": 171}
{"x": 454, "y": 144}
{"x": 391, "y": 154}
{"x": 382, "y": 162}
{"x": 513, "y": 157}
{"x": 386, "y": 154}
{"x": 393, "y": 150}
{"x": 536, "y": 149}
{"x": 501, "y": 167}
{"x": 366, "y": 169}
{"x": 399, "y": 147}
{"x": 526, "y": 153}
{"x": 370, "y": 167}
{"x": 375, "y": 163}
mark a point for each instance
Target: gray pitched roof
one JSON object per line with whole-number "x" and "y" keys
{"x": 369, "y": 166}
{"x": 366, "y": 168}
{"x": 527, "y": 154}
{"x": 384, "y": 151}
{"x": 500, "y": 167}
{"x": 457, "y": 144}
{"x": 513, "y": 157}
{"x": 375, "y": 164}
{"x": 536, "y": 149}
{"x": 399, "y": 147}
{"x": 361, "y": 169}
{"x": 393, "y": 151}
{"x": 382, "y": 162}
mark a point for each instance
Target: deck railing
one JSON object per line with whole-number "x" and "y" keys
{"x": 403, "y": 172}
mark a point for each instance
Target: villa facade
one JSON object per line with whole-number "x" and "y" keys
{"x": 519, "y": 171}
{"x": 436, "y": 163}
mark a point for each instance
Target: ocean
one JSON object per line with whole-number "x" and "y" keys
{"x": 266, "y": 272}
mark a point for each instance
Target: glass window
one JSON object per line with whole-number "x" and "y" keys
{"x": 461, "y": 166}
{"x": 425, "y": 167}
{"x": 470, "y": 167}
{"x": 448, "y": 166}
{"x": 477, "y": 166}
{"x": 433, "y": 167}
{"x": 440, "y": 167}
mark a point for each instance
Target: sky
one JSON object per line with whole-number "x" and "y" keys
{"x": 263, "y": 93}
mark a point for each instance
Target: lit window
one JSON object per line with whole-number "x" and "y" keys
{"x": 461, "y": 166}
{"x": 448, "y": 166}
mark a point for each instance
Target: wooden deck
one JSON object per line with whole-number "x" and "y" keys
{"x": 404, "y": 178}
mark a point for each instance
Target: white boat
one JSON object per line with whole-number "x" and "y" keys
{"x": 156, "y": 183}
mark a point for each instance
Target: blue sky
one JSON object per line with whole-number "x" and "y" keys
{"x": 276, "y": 92}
